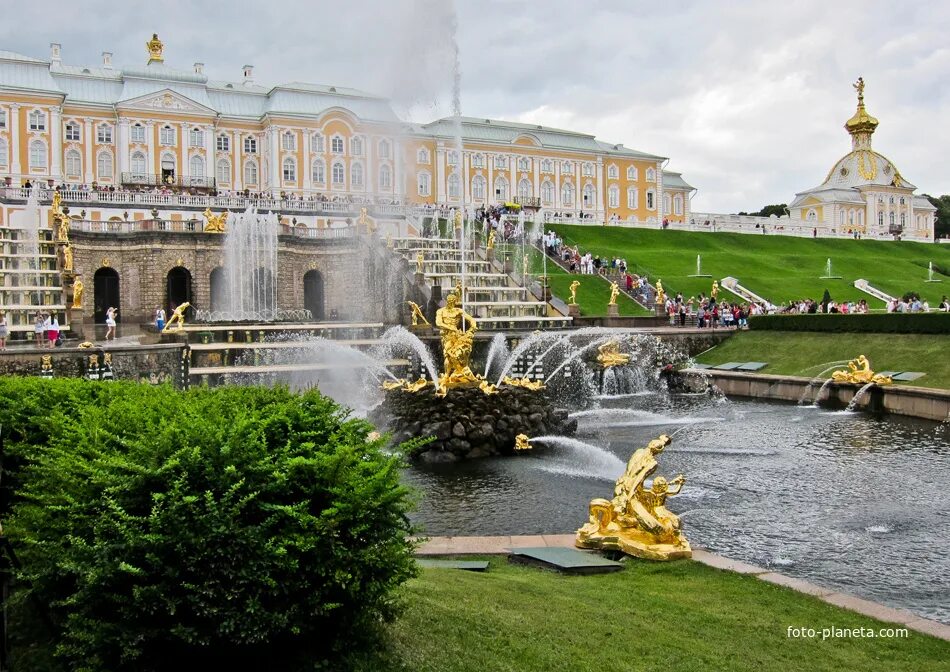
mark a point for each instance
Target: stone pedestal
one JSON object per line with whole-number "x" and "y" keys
{"x": 573, "y": 310}
{"x": 420, "y": 278}
{"x": 660, "y": 310}
{"x": 612, "y": 310}
{"x": 509, "y": 264}
{"x": 490, "y": 253}
{"x": 77, "y": 323}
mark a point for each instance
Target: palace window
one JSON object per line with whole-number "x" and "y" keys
{"x": 589, "y": 200}
{"x": 422, "y": 156}
{"x": 223, "y": 143}
{"x": 385, "y": 177}
{"x": 223, "y": 171}
{"x": 613, "y": 197}
{"x": 356, "y": 146}
{"x": 137, "y": 133}
{"x": 424, "y": 183}
{"x": 385, "y": 149}
{"x": 356, "y": 176}
{"x": 454, "y": 187}
{"x": 250, "y": 147}
{"x": 524, "y": 164}
{"x": 197, "y": 166}
{"x": 37, "y": 154}
{"x": 318, "y": 174}
{"x": 501, "y": 162}
{"x": 525, "y": 190}
{"x": 339, "y": 174}
{"x": 104, "y": 135}
{"x": 891, "y": 219}
{"x": 613, "y": 172}
{"x": 667, "y": 204}
{"x": 588, "y": 170}
{"x": 289, "y": 170}
{"x": 250, "y": 173}
{"x": 37, "y": 120}
{"x": 651, "y": 200}
{"x": 336, "y": 144}
{"x": 547, "y": 166}
{"x": 288, "y": 141}
{"x": 651, "y": 175}
{"x": 478, "y": 160}
{"x": 478, "y": 188}
{"x": 501, "y": 188}
{"x": 567, "y": 167}
{"x": 903, "y": 219}
{"x": 73, "y": 133}
{"x": 890, "y": 200}
{"x": 316, "y": 143}
{"x": 104, "y": 166}
{"x": 567, "y": 194}
{"x": 196, "y": 138}
{"x": 73, "y": 163}
{"x": 3, "y": 119}
{"x": 452, "y": 158}
{"x": 678, "y": 205}
{"x": 166, "y": 136}
{"x": 632, "y": 173}
{"x": 632, "y": 198}
{"x": 902, "y": 200}
{"x": 3, "y": 153}
{"x": 547, "y": 193}
{"x": 138, "y": 165}
{"x": 880, "y": 219}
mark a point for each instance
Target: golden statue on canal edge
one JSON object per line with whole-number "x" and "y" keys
{"x": 214, "y": 223}
{"x": 178, "y": 317}
{"x": 522, "y": 443}
{"x": 614, "y": 293}
{"x": 636, "y": 521}
{"x": 859, "y": 373}
{"x": 417, "y": 315}
{"x": 660, "y": 294}
{"x": 457, "y": 341}
{"x": 78, "y": 288}
{"x": 574, "y": 286}
{"x": 609, "y": 355}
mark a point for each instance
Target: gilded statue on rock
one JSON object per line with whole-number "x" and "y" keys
{"x": 526, "y": 383}
{"x": 609, "y": 355}
{"x": 859, "y": 373}
{"x": 214, "y": 223}
{"x": 636, "y": 521}
{"x": 458, "y": 334}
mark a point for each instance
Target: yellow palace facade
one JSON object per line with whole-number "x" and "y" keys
{"x": 156, "y": 127}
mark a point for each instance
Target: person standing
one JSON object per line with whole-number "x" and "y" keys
{"x": 3, "y": 331}
{"x": 52, "y": 330}
{"x": 110, "y": 323}
{"x": 159, "y": 318}
{"x": 39, "y": 331}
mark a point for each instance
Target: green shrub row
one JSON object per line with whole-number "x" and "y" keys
{"x": 223, "y": 528}
{"x": 882, "y": 323}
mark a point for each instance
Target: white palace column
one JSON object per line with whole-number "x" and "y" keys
{"x": 658, "y": 202}
{"x": 490, "y": 179}
{"x": 185, "y": 167}
{"x": 89, "y": 164}
{"x": 151, "y": 161}
{"x": 122, "y": 148}
{"x": 536, "y": 165}
{"x": 273, "y": 141}
{"x": 56, "y": 142}
{"x": 237, "y": 166}
{"x": 557, "y": 184}
{"x": 466, "y": 159}
{"x": 211, "y": 161}
{"x": 306, "y": 176}
{"x": 440, "y": 174}
{"x": 599, "y": 188}
{"x": 15, "y": 143}
{"x": 512, "y": 177}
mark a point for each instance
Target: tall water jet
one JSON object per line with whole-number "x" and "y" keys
{"x": 250, "y": 267}
{"x": 930, "y": 273}
{"x": 699, "y": 269}
{"x": 828, "y": 273}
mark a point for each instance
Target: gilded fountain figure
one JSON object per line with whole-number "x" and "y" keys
{"x": 660, "y": 294}
{"x": 574, "y": 286}
{"x": 214, "y": 223}
{"x": 458, "y": 334}
{"x": 609, "y": 355}
{"x": 417, "y": 315}
{"x": 636, "y": 521}
{"x": 614, "y": 293}
{"x": 859, "y": 373}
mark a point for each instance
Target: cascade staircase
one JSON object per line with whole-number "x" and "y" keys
{"x": 732, "y": 285}
{"x": 867, "y": 288}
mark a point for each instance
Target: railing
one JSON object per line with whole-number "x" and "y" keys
{"x": 528, "y": 202}
{"x": 198, "y": 182}
{"x": 198, "y": 226}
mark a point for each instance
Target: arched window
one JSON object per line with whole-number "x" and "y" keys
{"x": 525, "y": 191}
{"x": 903, "y": 220}
{"x": 196, "y": 137}
{"x": 73, "y": 163}
{"x": 454, "y": 185}
{"x": 547, "y": 193}
{"x": 289, "y": 170}
{"x": 356, "y": 176}
{"x": 891, "y": 219}
{"x": 336, "y": 144}
{"x": 4, "y": 162}
{"x": 860, "y": 217}
{"x": 104, "y": 166}
{"x": 38, "y": 154}
{"x": 223, "y": 171}
{"x": 478, "y": 188}
{"x": 316, "y": 143}
{"x": 250, "y": 173}
{"x": 880, "y": 219}
{"x": 567, "y": 194}
{"x": 632, "y": 198}
{"x": 478, "y": 160}
{"x": 138, "y": 164}
{"x": 811, "y": 217}
{"x": 667, "y": 204}
{"x": 37, "y": 120}
{"x": 841, "y": 218}
{"x": 138, "y": 133}
{"x": 318, "y": 172}
{"x": 385, "y": 177}
{"x": 547, "y": 166}
{"x": 501, "y": 188}
{"x": 452, "y": 158}
{"x": 524, "y": 164}
{"x": 339, "y": 174}
{"x": 613, "y": 197}
{"x": 631, "y": 172}
{"x": 385, "y": 149}
{"x": 356, "y": 146}
{"x": 567, "y": 167}
{"x": 613, "y": 172}
{"x": 223, "y": 143}
{"x": 588, "y": 170}
{"x": 422, "y": 156}
{"x": 851, "y": 217}
{"x": 72, "y": 132}
{"x": 288, "y": 141}
{"x": 589, "y": 200}
{"x": 651, "y": 199}
{"x": 250, "y": 146}
{"x": 196, "y": 166}
{"x": 424, "y": 183}
{"x": 651, "y": 175}
{"x": 678, "y": 204}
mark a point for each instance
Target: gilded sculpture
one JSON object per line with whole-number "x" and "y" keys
{"x": 214, "y": 223}
{"x": 491, "y": 240}
{"x": 458, "y": 219}
{"x": 420, "y": 262}
{"x": 178, "y": 318}
{"x": 660, "y": 294}
{"x": 67, "y": 257}
{"x": 614, "y": 293}
{"x": 458, "y": 334}
{"x": 527, "y": 383}
{"x": 78, "y": 288}
{"x": 417, "y": 314}
{"x": 574, "y": 286}
{"x": 714, "y": 292}
{"x": 609, "y": 355}
{"x": 406, "y": 385}
{"x": 155, "y": 48}
{"x": 859, "y": 373}
{"x": 522, "y": 443}
{"x": 636, "y": 521}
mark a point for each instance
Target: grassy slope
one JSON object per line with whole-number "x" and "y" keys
{"x": 776, "y": 267}
{"x": 679, "y": 616}
{"x": 797, "y": 353}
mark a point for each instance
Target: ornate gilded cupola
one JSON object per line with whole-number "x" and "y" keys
{"x": 861, "y": 126}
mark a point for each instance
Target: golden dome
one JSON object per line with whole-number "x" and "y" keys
{"x": 861, "y": 122}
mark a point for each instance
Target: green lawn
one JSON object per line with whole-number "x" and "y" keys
{"x": 802, "y": 353}
{"x": 778, "y": 268}
{"x": 681, "y": 616}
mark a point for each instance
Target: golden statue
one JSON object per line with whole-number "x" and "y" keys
{"x": 417, "y": 315}
{"x": 78, "y": 288}
{"x": 609, "y": 355}
{"x": 178, "y": 317}
{"x": 420, "y": 262}
{"x": 859, "y": 87}
{"x": 574, "y": 286}
{"x": 527, "y": 383}
{"x": 458, "y": 290}
{"x": 67, "y": 257}
{"x": 47, "y": 364}
{"x": 487, "y": 387}
{"x": 458, "y": 219}
{"x": 107, "y": 359}
{"x": 522, "y": 443}
{"x": 457, "y": 341}
{"x": 614, "y": 293}
{"x": 714, "y": 292}
{"x": 155, "y": 47}
{"x": 660, "y": 294}
{"x": 491, "y": 240}
{"x": 636, "y": 521}
{"x": 85, "y": 345}
{"x": 214, "y": 223}
{"x": 60, "y": 220}
{"x": 405, "y": 385}
{"x": 859, "y": 373}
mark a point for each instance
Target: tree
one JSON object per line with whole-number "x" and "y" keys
{"x": 779, "y": 210}
{"x": 942, "y": 225}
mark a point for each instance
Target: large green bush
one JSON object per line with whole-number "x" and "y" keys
{"x": 214, "y": 528}
{"x": 879, "y": 323}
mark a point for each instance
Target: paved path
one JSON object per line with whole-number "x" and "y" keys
{"x": 501, "y": 545}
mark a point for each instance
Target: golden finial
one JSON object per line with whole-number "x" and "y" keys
{"x": 859, "y": 87}
{"x": 155, "y": 48}
{"x": 861, "y": 123}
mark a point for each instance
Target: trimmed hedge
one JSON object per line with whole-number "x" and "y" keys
{"x": 882, "y": 323}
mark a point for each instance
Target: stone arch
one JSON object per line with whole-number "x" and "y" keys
{"x": 105, "y": 282}
{"x": 178, "y": 289}
{"x": 218, "y": 284}
{"x": 313, "y": 294}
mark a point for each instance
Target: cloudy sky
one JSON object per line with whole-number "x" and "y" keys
{"x": 747, "y": 98}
